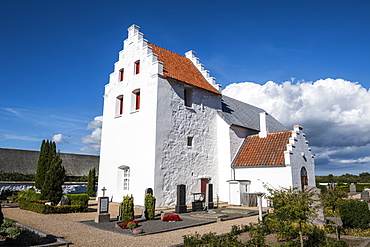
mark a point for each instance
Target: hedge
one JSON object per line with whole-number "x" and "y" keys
{"x": 78, "y": 203}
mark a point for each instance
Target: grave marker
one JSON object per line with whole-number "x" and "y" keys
{"x": 181, "y": 199}
{"x": 103, "y": 208}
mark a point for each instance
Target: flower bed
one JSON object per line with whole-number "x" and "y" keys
{"x": 174, "y": 217}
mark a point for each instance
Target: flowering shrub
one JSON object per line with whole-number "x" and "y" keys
{"x": 174, "y": 217}
{"x": 131, "y": 221}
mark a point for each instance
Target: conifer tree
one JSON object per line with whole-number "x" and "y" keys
{"x": 46, "y": 156}
{"x": 91, "y": 183}
{"x": 1, "y": 216}
{"x": 41, "y": 165}
{"x": 54, "y": 179}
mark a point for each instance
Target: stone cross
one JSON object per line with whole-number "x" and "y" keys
{"x": 104, "y": 189}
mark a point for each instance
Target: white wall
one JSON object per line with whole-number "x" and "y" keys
{"x": 129, "y": 139}
{"x": 179, "y": 163}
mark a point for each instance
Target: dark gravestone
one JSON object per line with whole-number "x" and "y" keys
{"x": 209, "y": 196}
{"x": 181, "y": 199}
{"x": 365, "y": 196}
{"x": 149, "y": 191}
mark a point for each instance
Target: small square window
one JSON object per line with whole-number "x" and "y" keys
{"x": 190, "y": 141}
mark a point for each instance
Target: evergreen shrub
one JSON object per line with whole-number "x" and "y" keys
{"x": 128, "y": 208}
{"x": 355, "y": 214}
{"x": 149, "y": 206}
{"x": 1, "y": 216}
{"x": 81, "y": 200}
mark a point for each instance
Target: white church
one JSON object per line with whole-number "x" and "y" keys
{"x": 166, "y": 123}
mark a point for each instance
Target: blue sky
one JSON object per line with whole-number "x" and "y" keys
{"x": 56, "y": 56}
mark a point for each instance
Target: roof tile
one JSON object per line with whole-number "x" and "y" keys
{"x": 268, "y": 151}
{"x": 181, "y": 68}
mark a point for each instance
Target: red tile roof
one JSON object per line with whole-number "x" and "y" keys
{"x": 267, "y": 151}
{"x": 181, "y": 68}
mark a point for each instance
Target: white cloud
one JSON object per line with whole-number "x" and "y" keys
{"x": 58, "y": 138}
{"x": 92, "y": 141}
{"x": 335, "y": 113}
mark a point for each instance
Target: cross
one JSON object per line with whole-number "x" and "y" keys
{"x": 104, "y": 189}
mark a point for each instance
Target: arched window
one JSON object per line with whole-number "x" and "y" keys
{"x": 121, "y": 74}
{"x": 137, "y": 67}
{"x": 304, "y": 178}
{"x": 135, "y": 100}
{"x": 119, "y": 105}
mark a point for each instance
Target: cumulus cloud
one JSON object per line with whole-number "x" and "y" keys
{"x": 335, "y": 114}
{"x": 58, "y": 138}
{"x": 92, "y": 141}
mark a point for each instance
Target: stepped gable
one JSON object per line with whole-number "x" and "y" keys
{"x": 268, "y": 151}
{"x": 181, "y": 68}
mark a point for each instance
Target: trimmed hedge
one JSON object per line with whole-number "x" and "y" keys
{"x": 78, "y": 203}
{"x": 80, "y": 200}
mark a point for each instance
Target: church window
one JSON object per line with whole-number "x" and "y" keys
{"x": 137, "y": 67}
{"x": 126, "y": 179}
{"x": 188, "y": 97}
{"x": 190, "y": 141}
{"x": 119, "y": 105}
{"x": 135, "y": 100}
{"x": 121, "y": 74}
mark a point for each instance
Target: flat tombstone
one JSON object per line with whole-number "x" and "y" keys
{"x": 103, "y": 210}
{"x": 365, "y": 196}
{"x": 181, "y": 199}
{"x": 352, "y": 187}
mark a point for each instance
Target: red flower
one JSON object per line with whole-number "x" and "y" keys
{"x": 125, "y": 225}
{"x": 174, "y": 217}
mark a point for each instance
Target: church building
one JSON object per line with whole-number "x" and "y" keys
{"x": 166, "y": 123}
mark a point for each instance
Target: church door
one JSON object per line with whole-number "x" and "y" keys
{"x": 203, "y": 186}
{"x": 304, "y": 179}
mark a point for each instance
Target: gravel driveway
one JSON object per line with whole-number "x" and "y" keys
{"x": 67, "y": 226}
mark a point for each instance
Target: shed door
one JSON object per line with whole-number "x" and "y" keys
{"x": 234, "y": 193}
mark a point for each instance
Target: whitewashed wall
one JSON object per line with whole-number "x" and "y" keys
{"x": 129, "y": 139}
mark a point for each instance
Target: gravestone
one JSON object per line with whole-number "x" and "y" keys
{"x": 209, "y": 196}
{"x": 103, "y": 208}
{"x": 352, "y": 188}
{"x": 365, "y": 196}
{"x": 181, "y": 199}
{"x": 63, "y": 201}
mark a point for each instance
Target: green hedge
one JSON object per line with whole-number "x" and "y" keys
{"x": 40, "y": 207}
{"x": 78, "y": 203}
{"x": 81, "y": 200}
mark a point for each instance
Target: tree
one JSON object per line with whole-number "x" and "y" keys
{"x": 333, "y": 198}
{"x": 91, "y": 182}
{"x": 54, "y": 179}
{"x": 1, "y": 216}
{"x": 355, "y": 214}
{"x": 46, "y": 155}
{"x": 292, "y": 206}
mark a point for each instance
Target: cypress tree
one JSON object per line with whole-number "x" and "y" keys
{"x": 91, "y": 183}
{"x": 1, "y": 216}
{"x": 41, "y": 165}
{"x": 54, "y": 179}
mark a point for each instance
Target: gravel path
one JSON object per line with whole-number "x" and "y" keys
{"x": 67, "y": 226}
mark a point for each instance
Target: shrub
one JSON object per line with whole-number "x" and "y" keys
{"x": 128, "y": 208}
{"x": 81, "y": 200}
{"x": 1, "y": 216}
{"x": 125, "y": 226}
{"x": 29, "y": 195}
{"x": 149, "y": 207}
{"x": 355, "y": 214}
{"x": 91, "y": 179}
